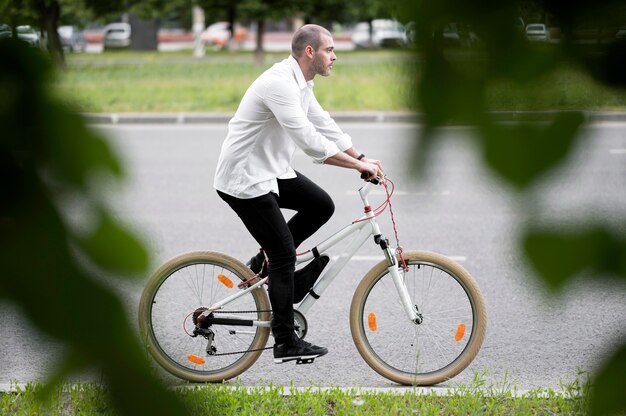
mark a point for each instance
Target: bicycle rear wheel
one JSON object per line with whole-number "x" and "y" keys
{"x": 443, "y": 344}
{"x": 182, "y": 288}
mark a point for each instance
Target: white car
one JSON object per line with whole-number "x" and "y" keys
{"x": 116, "y": 35}
{"x": 218, "y": 35}
{"x": 28, "y": 35}
{"x": 384, "y": 33}
{"x": 537, "y": 32}
{"x": 72, "y": 39}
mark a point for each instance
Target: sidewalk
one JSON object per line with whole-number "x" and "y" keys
{"x": 340, "y": 117}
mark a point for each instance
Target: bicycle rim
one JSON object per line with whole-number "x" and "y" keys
{"x": 447, "y": 340}
{"x": 187, "y": 284}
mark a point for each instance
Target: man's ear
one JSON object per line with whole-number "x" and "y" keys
{"x": 309, "y": 51}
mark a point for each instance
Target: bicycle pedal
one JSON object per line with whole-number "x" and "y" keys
{"x": 305, "y": 360}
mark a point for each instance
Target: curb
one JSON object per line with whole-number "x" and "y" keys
{"x": 224, "y": 118}
{"x": 340, "y": 117}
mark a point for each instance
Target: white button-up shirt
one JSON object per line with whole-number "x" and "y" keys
{"x": 277, "y": 114}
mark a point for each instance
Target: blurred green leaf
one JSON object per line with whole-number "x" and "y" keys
{"x": 447, "y": 93}
{"x": 81, "y": 153}
{"x": 558, "y": 257}
{"x": 523, "y": 153}
{"x": 45, "y": 149}
{"x": 113, "y": 248}
{"x": 609, "y": 66}
{"x": 608, "y": 391}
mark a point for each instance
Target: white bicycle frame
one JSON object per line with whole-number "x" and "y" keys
{"x": 362, "y": 229}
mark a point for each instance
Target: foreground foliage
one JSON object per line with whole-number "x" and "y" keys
{"x": 49, "y": 160}
{"x": 522, "y": 154}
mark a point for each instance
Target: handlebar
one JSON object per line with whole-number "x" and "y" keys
{"x": 374, "y": 181}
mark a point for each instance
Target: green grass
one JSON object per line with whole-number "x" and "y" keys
{"x": 361, "y": 81}
{"x": 475, "y": 398}
{"x": 178, "y": 83}
{"x": 565, "y": 89}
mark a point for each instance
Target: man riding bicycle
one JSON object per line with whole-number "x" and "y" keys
{"x": 278, "y": 114}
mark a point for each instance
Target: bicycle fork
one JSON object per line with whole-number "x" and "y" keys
{"x": 393, "y": 267}
{"x": 410, "y": 308}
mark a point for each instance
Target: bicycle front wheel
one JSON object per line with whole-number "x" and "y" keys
{"x": 451, "y": 331}
{"x": 174, "y": 297}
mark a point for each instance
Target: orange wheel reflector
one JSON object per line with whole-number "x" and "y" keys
{"x": 195, "y": 359}
{"x": 460, "y": 332}
{"x": 225, "y": 281}
{"x": 371, "y": 321}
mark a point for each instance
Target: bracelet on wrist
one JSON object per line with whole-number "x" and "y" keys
{"x": 361, "y": 156}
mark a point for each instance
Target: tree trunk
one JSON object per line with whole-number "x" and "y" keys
{"x": 231, "y": 13}
{"x": 259, "y": 53}
{"x": 49, "y": 20}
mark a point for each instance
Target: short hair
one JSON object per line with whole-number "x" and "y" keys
{"x": 307, "y": 35}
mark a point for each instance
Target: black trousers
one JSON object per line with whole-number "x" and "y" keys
{"x": 279, "y": 239}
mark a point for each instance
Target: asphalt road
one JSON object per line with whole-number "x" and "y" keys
{"x": 458, "y": 209}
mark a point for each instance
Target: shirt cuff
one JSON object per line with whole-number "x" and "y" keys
{"x": 331, "y": 150}
{"x": 344, "y": 143}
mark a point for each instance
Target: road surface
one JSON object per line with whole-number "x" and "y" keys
{"x": 459, "y": 209}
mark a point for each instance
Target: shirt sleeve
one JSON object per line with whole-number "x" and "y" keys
{"x": 283, "y": 99}
{"x": 324, "y": 123}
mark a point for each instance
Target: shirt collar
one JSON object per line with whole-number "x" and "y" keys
{"x": 302, "y": 83}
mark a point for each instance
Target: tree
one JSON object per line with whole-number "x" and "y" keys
{"x": 46, "y": 15}
{"x": 452, "y": 89}
{"x": 222, "y": 10}
{"x": 368, "y": 10}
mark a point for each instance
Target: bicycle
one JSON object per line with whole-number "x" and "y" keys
{"x": 416, "y": 318}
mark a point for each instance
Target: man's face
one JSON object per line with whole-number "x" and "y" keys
{"x": 324, "y": 56}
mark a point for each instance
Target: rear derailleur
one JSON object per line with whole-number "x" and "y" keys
{"x": 207, "y": 333}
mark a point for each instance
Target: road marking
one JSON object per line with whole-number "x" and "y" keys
{"x": 617, "y": 151}
{"x": 403, "y": 193}
{"x": 379, "y": 258}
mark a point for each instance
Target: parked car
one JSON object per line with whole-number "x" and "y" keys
{"x": 28, "y": 35}
{"x": 24, "y": 32}
{"x": 218, "y": 34}
{"x": 457, "y": 34}
{"x": 72, "y": 39}
{"x": 385, "y": 33}
{"x": 537, "y": 32}
{"x": 5, "y": 31}
{"x": 116, "y": 36}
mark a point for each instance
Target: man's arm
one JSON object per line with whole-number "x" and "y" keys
{"x": 347, "y": 160}
{"x": 352, "y": 152}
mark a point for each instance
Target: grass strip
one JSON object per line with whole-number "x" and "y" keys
{"x": 361, "y": 81}
{"x": 226, "y": 399}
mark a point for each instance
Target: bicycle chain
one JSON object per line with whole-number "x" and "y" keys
{"x": 244, "y": 351}
{"x": 217, "y": 311}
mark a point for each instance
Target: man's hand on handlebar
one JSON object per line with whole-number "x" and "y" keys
{"x": 371, "y": 169}
{"x": 377, "y": 163}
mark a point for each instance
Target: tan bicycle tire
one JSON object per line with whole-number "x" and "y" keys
{"x": 145, "y": 320}
{"x": 452, "y": 369}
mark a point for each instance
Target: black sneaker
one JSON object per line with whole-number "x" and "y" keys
{"x": 299, "y": 350}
